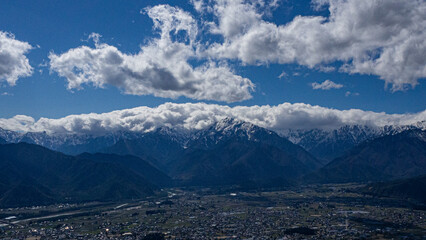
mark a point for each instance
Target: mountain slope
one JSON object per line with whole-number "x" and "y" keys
{"x": 329, "y": 144}
{"x": 241, "y": 131}
{"x": 72, "y": 144}
{"x": 390, "y": 157}
{"x": 33, "y": 172}
{"x": 25, "y": 193}
{"x": 412, "y": 188}
{"x": 326, "y": 145}
{"x": 250, "y": 164}
{"x": 159, "y": 148}
{"x": 134, "y": 163}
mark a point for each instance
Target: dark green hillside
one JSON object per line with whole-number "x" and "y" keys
{"x": 30, "y": 174}
{"x": 390, "y": 157}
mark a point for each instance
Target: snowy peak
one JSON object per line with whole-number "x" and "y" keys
{"x": 323, "y": 144}
{"x": 420, "y": 134}
{"x": 180, "y": 136}
{"x": 227, "y": 125}
{"x": 395, "y": 129}
{"x": 10, "y": 136}
{"x": 420, "y": 125}
{"x": 228, "y": 128}
{"x": 328, "y": 144}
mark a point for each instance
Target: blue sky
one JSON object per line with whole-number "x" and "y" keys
{"x": 58, "y": 26}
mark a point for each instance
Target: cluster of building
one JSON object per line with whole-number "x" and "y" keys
{"x": 268, "y": 215}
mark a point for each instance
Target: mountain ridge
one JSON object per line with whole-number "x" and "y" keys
{"x": 29, "y": 171}
{"x": 325, "y": 145}
{"x": 385, "y": 158}
{"x": 409, "y": 188}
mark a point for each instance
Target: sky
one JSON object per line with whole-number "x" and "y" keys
{"x": 314, "y": 62}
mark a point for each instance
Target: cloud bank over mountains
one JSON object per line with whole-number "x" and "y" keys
{"x": 192, "y": 116}
{"x": 13, "y": 62}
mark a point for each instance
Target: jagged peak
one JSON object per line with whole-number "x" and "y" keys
{"x": 229, "y": 123}
{"x": 230, "y": 126}
{"x": 415, "y": 133}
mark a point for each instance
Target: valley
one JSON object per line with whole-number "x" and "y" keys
{"x": 232, "y": 180}
{"x": 213, "y": 119}
{"x": 310, "y": 212}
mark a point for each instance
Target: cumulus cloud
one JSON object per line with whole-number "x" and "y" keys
{"x": 161, "y": 67}
{"x": 326, "y": 85}
{"x": 192, "y": 116}
{"x": 385, "y": 38}
{"x": 13, "y": 62}
{"x": 381, "y": 37}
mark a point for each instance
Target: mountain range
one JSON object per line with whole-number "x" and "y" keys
{"x": 229, "y": 152}
{"x": 31, "y": 174}
{"x": 323, "y": 144}
{"x": 389, "y": 157}
{"x": 41, "y": 168}
{"x": 327, "y": 144}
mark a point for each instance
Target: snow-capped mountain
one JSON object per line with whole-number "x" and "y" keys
{"x": 393, "y": 156}
{"x": 232, "y": 151}
{"x": 229, "y": 129}
{"x": 329, "y": 144}
{"x": 325, "y": 145}
{"x": 67, "y": 143}
{"x": 225, "y": 129}
{"x": 10, "y": 136}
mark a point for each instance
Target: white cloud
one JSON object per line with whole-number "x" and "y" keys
{"x": 21, "y": 123}
{"x": 348, "y": 93}
{"x": 13, "y": 62}
{"x": 378, "y": 37}
{"x": 199, "y": 5}
{"x": 326, "y": 85}
{"x": 283, "y": 75}
{"x": 192, "y": 116}
{"x": 326, "y": 69}
{"x": 161, "y": 67}
{"x": 381, "y": 37}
